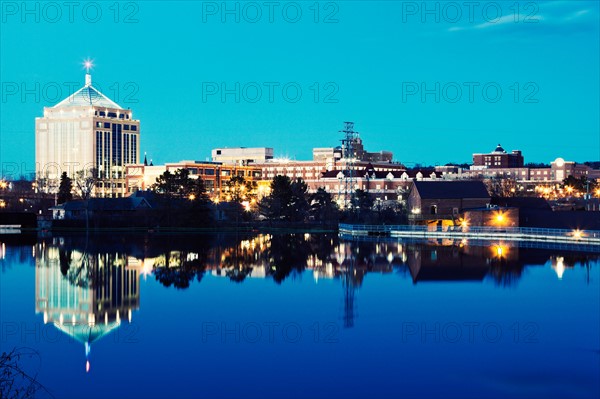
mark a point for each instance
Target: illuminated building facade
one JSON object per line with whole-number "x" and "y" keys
{"x": 214, "y": 174}
{"x": 87, "y": 131}
{"x": 242, "y": 155}
{"x": 498, "y": 158}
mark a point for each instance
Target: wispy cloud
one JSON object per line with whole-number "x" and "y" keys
{"x": 545, "y": 17}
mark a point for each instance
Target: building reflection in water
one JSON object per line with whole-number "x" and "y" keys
{"x": 83, "y": 294}
{"x": 87, "y": 292}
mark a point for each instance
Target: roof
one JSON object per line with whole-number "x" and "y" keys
{"x": 86, "y": 96}
{"x": 85, "y": 333}
{"x": 523, "y": 202}
{"x": 451, "y": 189}
{"x": 106, "y": 204}
{"x": 499, "y": 149}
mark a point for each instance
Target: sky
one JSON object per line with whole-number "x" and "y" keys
{"x": 432, "y": 82}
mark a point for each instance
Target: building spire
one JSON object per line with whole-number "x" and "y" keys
{"x": 145, "y": 160}
{"x": 88, "y": 64}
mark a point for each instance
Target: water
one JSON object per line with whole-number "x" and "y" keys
{"x": 300, "y": 316}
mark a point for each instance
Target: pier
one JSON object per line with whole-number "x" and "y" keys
{"x": 585, "y": 238}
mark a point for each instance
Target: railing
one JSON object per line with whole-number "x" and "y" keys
{"x": 514, "y": 233}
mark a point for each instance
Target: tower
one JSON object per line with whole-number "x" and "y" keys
{"x": 349, "y": 156}
{"x": 87, "y": 132}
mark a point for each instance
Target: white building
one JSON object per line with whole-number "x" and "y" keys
{"x": 87, "y": 131}
{"x": 242, "y": 155}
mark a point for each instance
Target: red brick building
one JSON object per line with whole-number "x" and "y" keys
{"x": 499, "y": 158}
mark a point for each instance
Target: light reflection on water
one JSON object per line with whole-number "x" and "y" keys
{"x": 89, "y": 288}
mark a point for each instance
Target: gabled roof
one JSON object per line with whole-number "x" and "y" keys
{"x": 451, "y": 189}
{"x": 87, "y": 95}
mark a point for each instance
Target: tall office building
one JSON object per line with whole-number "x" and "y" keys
{"x": 87, "y": 131}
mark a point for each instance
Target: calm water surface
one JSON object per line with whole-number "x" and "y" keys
{"x": 300, "y": 316}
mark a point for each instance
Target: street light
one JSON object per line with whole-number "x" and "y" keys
{"x": 500, "y": 217}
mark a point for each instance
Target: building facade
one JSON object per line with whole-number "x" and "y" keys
{"x": 498, "y": 158}
{"x": 242, "y": 155}
{"x": 87, "y": 132}
{"x": 214, "y": 174}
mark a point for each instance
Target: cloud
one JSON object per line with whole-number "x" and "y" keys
{"x": 558, "y": 16}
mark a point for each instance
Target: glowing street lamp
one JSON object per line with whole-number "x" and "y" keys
{"x": 192, "y": 197}
{"x": 577, "y": 234}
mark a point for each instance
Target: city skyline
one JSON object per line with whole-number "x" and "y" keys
{"x": 364, "y": 77}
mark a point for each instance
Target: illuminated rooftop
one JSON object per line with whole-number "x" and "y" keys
{"x": 86, "y": 96}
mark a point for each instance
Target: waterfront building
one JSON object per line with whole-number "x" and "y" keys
{"x": 441, "y": 202}
{"x": 87, "y": 131}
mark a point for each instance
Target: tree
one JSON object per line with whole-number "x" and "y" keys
{"x": 501, "y": 186}
{"x": 65, "y": 188}
{"x": 184, "y": 199}
{"x": 573, "y": 184}
{"x": 239, "y": 189}
{"x": 15, "y": 381}
{"x": 298, "y": 206}
{"x": 180, "y": 185}
{"x": 85, "y": 181}
{"x": 322, "y": 206}
{"x": 287, "y": 200}
{"x": 362, "y": 201}
{"x": 273, "y": 206}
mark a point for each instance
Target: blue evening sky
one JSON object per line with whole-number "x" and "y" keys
{"x": 366, "y": 62}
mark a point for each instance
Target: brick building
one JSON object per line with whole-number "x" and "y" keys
{"x": 499, "y": 158}
{"x": 438, "y": 201}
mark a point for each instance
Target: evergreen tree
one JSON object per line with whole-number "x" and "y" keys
{"x": 65, "y": 188}
{"x": 322, "y": 206}
{"x": 287, "y": 201}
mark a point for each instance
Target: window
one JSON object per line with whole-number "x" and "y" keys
{"x": 209, "y": 172}
{"x": 125, "y": 127}
{"x": 433, "y": 209}
{"x": 106, "y": 125}
{"x": 121, "y": 116}
{"x": 112, "y": 114}
{"x": 102, "y": 113}
{"x": 134, "y": 128}
{"x": 218, "y": 152}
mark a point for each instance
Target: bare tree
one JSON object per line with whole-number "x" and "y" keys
{"x": 15, "y": 382}
{"x": 85, "y": 181}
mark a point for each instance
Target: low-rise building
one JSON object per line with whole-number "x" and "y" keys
{"x": 498, "y": 158}
{"x": 442, "y": 202}
{"x": 242, "y": 155}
